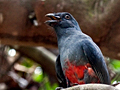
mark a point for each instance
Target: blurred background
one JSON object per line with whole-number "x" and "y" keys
{"x": 28, "y": 47}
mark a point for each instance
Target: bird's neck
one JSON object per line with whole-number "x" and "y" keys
{"x": 66, "y": 32}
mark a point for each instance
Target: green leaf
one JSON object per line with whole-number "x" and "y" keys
{"x": 55, "y": 85}
{"x": 27, "y": 62}
{"x": 47, "y": 86}
{"x": 37, "y": 77}
{"x": 116, "y": 64}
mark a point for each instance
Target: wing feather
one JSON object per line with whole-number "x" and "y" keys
{"x": 59, "y": 72}
{"x": 96, "y": 59}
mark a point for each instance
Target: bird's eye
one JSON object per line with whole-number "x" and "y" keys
{"x": 67, "y": 16}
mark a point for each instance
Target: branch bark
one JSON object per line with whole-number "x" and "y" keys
{"x": 92, "y": 87}
{"x": 40, "y": 55}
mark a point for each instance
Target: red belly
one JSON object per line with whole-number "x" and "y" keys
{"x": 75, "y": 74}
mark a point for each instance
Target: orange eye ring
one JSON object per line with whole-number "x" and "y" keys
{"x": 67, "y": 16}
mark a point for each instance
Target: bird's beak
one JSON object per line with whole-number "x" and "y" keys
{"x": 54, "y": 18}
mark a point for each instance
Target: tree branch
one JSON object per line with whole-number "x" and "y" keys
{"x": 18, "y": 29}
{"x": 92, "y": 87}
{"x": 40, "y": 55}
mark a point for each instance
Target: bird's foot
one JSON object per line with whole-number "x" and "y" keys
{"x": 59, "y": 88}
{"x": 74, "y": 84}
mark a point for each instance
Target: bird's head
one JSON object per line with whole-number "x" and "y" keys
{"x": 62, "y": 20}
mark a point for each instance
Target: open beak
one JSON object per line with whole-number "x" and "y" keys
{"x": 55, "y": 19}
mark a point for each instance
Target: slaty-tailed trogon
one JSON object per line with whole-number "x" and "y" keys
{"x": 80, "y": 60}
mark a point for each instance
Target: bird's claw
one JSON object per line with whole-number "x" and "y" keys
{"x": 59, "y": 88}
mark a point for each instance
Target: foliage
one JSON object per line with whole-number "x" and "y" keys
{"x": 27, "y": 62}
{"x": 38, "y": 76}
{"x": 115, "y": 65}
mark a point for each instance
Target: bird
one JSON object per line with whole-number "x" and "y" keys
{"x": 80, "y": 60}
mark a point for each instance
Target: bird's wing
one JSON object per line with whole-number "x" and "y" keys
{"x": 96, "y": 59}
{"x": 59, "y": 72}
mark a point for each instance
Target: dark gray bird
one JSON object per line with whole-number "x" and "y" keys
{"x": 80, "y": 60}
